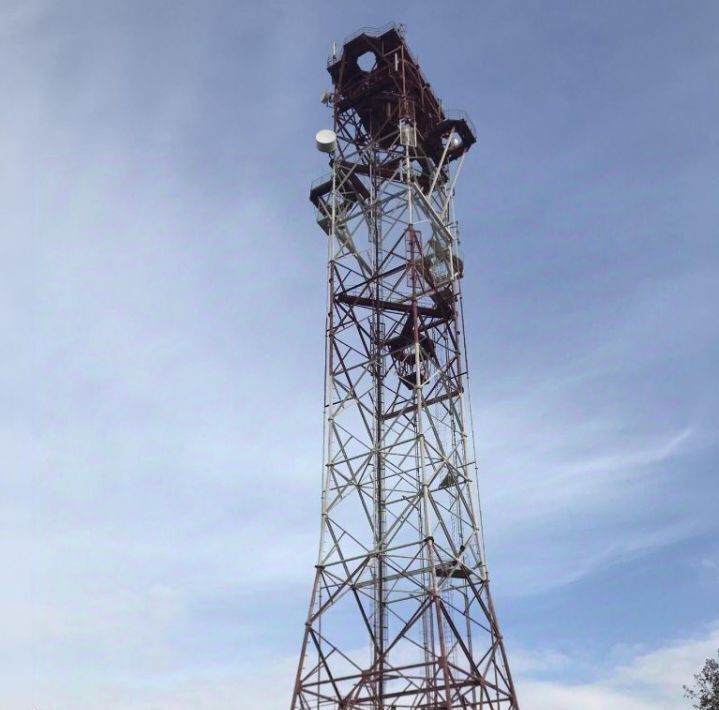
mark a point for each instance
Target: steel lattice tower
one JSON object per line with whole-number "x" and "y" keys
{"x": 400, "y": 615}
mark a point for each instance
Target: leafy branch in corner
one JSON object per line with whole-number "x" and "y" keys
{"x": 705, "y": 691}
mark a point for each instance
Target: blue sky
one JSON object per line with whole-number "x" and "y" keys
{"x": 161, "y": 325}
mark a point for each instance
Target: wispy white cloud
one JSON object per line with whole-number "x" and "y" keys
{"x": 650, "y": 680}
{"x": 576, "y": 491}
{"x": 643, "y": 680}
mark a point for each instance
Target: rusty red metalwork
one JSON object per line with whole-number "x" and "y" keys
{"x": 401, "y": 614}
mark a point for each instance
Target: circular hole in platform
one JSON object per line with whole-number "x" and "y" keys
{"x": 367, "y": 61}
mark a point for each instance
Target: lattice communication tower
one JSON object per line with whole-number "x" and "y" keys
{"x": 400, "y": 614}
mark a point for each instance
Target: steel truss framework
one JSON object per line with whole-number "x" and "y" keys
{"x": 400, "y": 615}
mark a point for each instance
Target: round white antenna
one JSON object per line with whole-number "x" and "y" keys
{"x": 455, "y": 142}
{"x": 326, "y": 141}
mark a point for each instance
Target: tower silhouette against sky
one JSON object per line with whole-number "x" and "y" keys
{"x": 400, "y": 614}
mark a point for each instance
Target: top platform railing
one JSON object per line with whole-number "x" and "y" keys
{"x": 370, "y": 32}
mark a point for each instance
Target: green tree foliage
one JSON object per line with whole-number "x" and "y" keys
{"x": 705, "y": 692}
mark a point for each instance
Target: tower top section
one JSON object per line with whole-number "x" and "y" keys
{"x": 376, "y": 76}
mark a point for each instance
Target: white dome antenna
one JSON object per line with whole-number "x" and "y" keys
{"x": 326, "y": 141}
